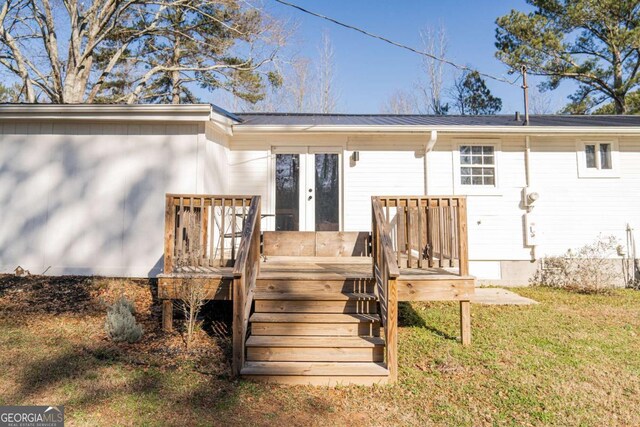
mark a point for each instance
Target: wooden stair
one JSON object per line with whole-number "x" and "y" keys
{"x": 314, "y": 332}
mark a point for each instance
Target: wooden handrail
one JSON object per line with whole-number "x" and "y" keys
{"x": 428, "y": 231}
{"x": 385, "y": 273}
{"x": 385, "y": 238}
{"x": 252, "y": 223}
{"x": 245, "y": 274}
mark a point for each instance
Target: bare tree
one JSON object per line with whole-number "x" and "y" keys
{"x": 430, "y": 85}
{"x": 400, "y": 102}
{"x": 307, "y": 85}
{"x": 299, "y": 85}
{"x": 193, "y": 296}
{"x": 70, "y": 53}
{"x": 295, "y": 94}
{"x": 540, "y": 102}
{"x": 327, "y": 95}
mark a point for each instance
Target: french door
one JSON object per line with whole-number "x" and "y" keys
{"x": 307, "y": 189}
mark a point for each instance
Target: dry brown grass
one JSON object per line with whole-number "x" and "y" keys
{"x": 571, "y": 360}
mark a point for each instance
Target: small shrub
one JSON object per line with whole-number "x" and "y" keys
{"x": 589, "y": 269}
{"x": 121, "y": 325}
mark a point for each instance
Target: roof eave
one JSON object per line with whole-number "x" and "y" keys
{"x": 513, "y": 130}
{"x": 102, "y": 112}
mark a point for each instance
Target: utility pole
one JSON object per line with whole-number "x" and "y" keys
{"x": 525, "y": 89}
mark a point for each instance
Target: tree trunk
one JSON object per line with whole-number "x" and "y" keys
{"x": 620, "y": 104}
{"x": 175, "y": 75}
{"x": 618, "y": 82}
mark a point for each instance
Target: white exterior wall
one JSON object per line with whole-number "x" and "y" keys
{"x": 378, "y": 173}
{"x": 494, "y": 219}
{"x": 215, "y": 161}
{"x": 572, "y": 211}
{"x": 387, "y": 165}
{"x": 88, "y": 198}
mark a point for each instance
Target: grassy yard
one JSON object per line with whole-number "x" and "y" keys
{"x": 571, "y": 360}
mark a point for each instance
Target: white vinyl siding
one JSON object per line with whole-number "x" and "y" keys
{"x": 572, "y": 211}
{"x": 378, "y": 173}
{"x": 88, "y": 198}
{"x": 494, "y": 217}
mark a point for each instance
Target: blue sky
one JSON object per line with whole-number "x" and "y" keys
{"x": 368, "y": 71}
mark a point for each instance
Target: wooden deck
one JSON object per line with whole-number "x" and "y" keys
{"x": 317, "y": 307}
{"x": 427, "y": 284}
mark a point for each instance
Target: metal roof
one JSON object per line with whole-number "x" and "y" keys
{"x": 305, "y": 119}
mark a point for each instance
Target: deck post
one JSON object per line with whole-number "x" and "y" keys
{"x": 465, "y": 322}
{"x": 392, "y": 330}
{"x": 169, "y": 234}
{"x": 463, "y": 249}
{"x": 238, "y": 333}
{"x": 167, "y": 315}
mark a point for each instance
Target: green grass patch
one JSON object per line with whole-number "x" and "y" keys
{"x": 570, "y": 360}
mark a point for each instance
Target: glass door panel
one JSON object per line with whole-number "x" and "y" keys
{"x": 287, "y": 192}
{"x": 327, "y": 192}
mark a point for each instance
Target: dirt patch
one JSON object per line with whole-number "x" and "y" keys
{"x": 40, "y": 297}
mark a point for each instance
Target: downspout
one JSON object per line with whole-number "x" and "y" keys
{"x": 527, "y": 153}
{"x": 428, "y": 147}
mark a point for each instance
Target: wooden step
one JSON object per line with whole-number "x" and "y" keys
{"x": 314, "y": 373}
{"x": 316, "y": 296}
{"x": 315, "y": 324}
{"x": 315, "y": 302}
{"x": 310, "y": 306}
{"x": 313, "y": 318}
{"x": 304, "y": 286}
{"x": 314, "y": 368}
{"x": 315, "y": 349}
{"x": 319, "y": 342}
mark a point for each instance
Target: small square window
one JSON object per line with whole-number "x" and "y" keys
{"x": 482, "y": 158}
{"x": 598, "y": 156}
{"x": 598, "y": 159}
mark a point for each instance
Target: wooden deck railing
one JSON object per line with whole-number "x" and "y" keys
{"x": 428, "y": 231}
{"x": 245, "y": 274}
{"x": 202, "y": 230}
{"x": 385, "y": 272}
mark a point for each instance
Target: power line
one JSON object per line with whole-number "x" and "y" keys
{"x": 400, "y": 45}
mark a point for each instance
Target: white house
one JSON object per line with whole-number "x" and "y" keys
{"x": 82, "y": 187}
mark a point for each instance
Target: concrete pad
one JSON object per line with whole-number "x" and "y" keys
{"x": 497, "y": 296}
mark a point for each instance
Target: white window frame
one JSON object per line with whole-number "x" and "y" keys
{"x": 489, "y": 190}
{"x": 581, "y": 158}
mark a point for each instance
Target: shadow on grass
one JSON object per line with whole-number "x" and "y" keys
{"x": 87, "y": 378}
{"x": 409, "y": 317}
